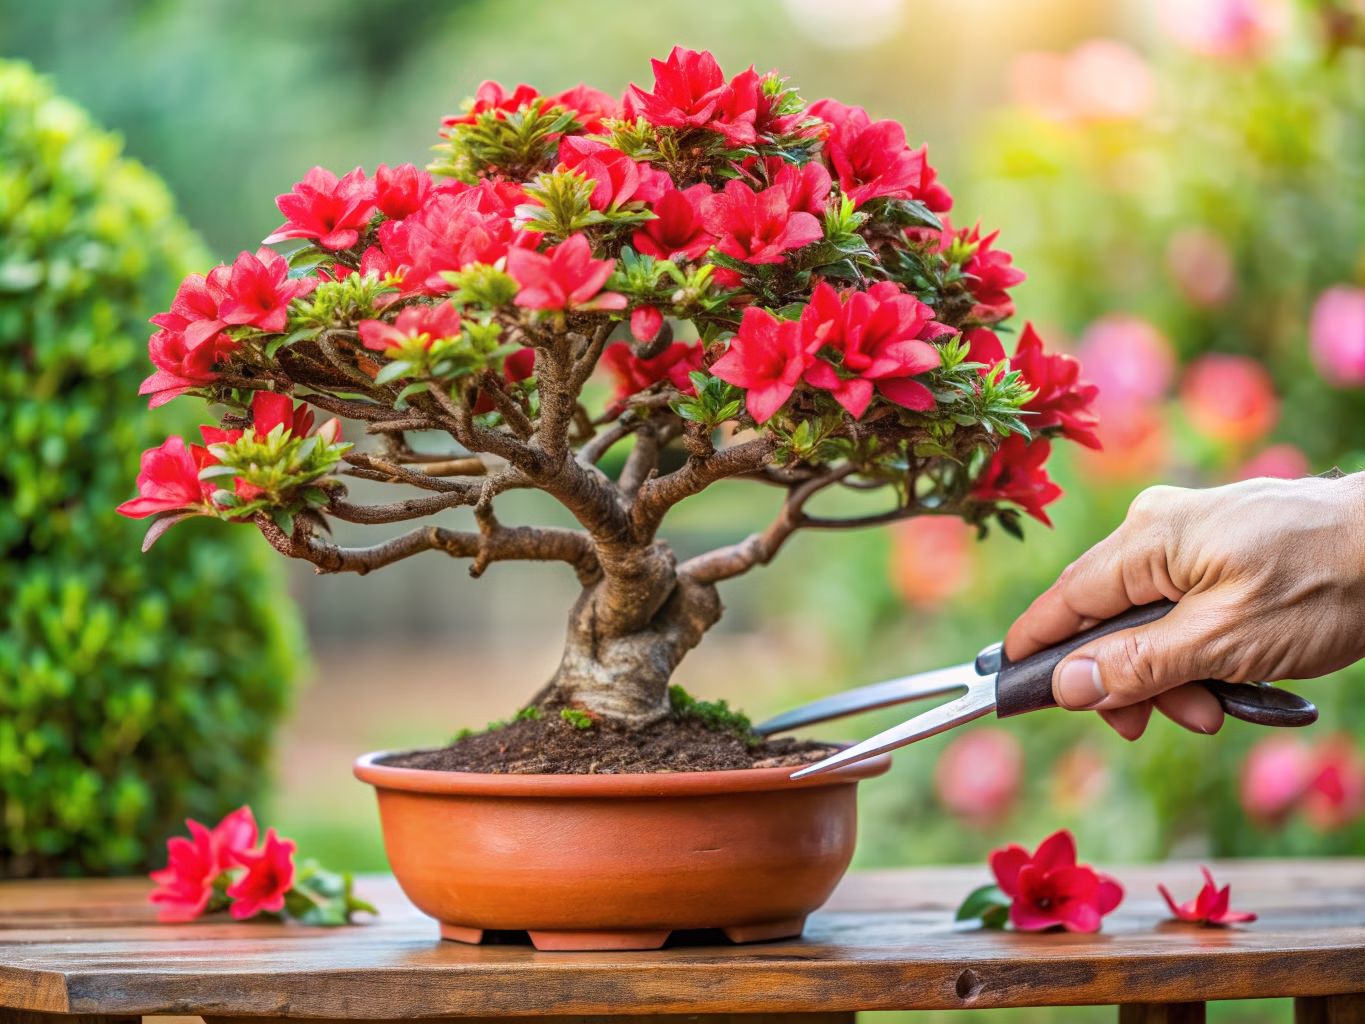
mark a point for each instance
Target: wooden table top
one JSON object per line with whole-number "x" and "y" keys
{"x": 884, "y": 942}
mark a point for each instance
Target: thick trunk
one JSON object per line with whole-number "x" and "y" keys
{"x": 624, "y": 676}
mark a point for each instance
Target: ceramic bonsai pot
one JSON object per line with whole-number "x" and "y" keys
{"x": 617, "y": 861}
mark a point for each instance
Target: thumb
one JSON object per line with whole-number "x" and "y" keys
{"x": 1191, "y": 642}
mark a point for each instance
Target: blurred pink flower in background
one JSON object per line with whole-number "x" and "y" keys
{"x": 1079, "y": 778}
{"x": 1337, "y": 335}
{"x": 1201, "y": 266}
{"x": 931, "y": 559}
{"x": 1229, "y": 398}
{"x": 1326, "y": 782}
{"x": 1224, "y": 28}
{"x": 1133, "y": 365}
{"x": 979, "y": 775}
{"x": 1100, "y": 80}
{"x": 1283, "y": 461}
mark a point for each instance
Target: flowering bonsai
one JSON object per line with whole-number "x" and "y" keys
{"x": 774, "y": 290}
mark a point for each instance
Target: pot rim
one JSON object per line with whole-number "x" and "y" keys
{"x": 735, "y": 780}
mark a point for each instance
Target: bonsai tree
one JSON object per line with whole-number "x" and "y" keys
{"x": 122, "y": 710}
{"x": 773, "y": 287}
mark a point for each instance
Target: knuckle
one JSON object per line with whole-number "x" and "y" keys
{"x": 1134, "y": 670}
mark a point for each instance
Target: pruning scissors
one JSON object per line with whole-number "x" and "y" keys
{"x": 994, "y": 683}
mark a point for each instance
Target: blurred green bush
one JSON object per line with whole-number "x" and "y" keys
{"x": 134, "y": 689}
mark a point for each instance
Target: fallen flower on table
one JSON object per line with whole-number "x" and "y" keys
{"x": 1210, "y": 907}
{"x": 1047, "y": 889}
{"x": 223, "y": 869}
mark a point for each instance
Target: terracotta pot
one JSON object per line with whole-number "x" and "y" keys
{"x": 618, "y": 861}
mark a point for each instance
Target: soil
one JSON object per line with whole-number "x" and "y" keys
{"x": 552, "y": 746}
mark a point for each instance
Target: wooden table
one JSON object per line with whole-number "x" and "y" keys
{"x": 89, "y": 952}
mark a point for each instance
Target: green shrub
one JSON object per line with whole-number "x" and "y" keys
{"x": 134, "y": 689}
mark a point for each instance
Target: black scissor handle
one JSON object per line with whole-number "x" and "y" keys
{"x": 1027, "y": 685}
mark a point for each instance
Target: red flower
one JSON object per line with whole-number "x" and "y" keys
{"x": 517, "y": 367}
{"x": 677, "y": 232}
{"x": 757, "y": 227}
{"x": 1229, "y": 398}
{"x": 169, "y": 481}
{"x": 766, "y": 358}
{"x": 1209, "y": 907}
{"x": 1063, "y": 400}
{"x": 690, "y": 91}
{"x": 646, "y": 323}
{"x": 1335, "y": 795}
{"x": 269, "y": 410}
{"x": 633, "y": 374}
{"x": 457, "y": 226}
{"x": 807, "y": 187}
{"x": 1017, "y": 474}
{"x": 872, "y": 160}
{"x": 990, "y": 274}
{"x": 979, "y": 774}
{"x": 269, "y": 875}
{"x": 983, "y": 346}
{"x": 190, "y": 341}
{"x": 259, "y": 290}
{"x": 565, "y": 277}
{"x": 185, "y": 885}
{"x": 619, "y": 179}
{"x": 334, "y": 212}
{"x": 401, "y": 191}
{"x": 492, "y": 96}
{"x": 1050, "y": 889}
{"x": 424, "y": 324}
{"x": 870, "y": 339}
{"x": 590, "y": 107}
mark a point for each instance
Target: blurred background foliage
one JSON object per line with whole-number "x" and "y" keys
{"x": 134, "y": 689}
{"x": 1183, "y": 180}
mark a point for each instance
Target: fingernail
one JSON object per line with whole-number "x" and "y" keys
{"x": 1078, "y": 684}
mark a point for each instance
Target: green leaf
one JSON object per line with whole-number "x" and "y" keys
{"x": 302, "y": 334}
{"x": 988, "y": 904}
{"x": 397, "y": 368}
{"x": 283, "y": 520}
{"x": 412, "y": 389}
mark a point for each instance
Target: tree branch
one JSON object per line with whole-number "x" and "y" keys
{"x": 386, "y": 472}
{"x": 660, "y": 494}
{"x": 400, "y": 511}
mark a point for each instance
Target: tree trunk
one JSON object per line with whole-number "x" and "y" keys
{"x": 624, "y": 676}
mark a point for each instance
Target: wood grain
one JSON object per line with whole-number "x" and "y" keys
{"x": 1162, "y": 1013}
{"x": 1349, "y": 1009}
{"x": 884, "y": 942}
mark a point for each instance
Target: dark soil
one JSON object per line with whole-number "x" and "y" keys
{"x": 550, "y": 745}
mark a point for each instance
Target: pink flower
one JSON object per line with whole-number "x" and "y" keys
{"x": 1202, "y": 268}
{"x": 757, "y": 227}
{"x": 631, "y": 374}
{"x": 490, "y": 96}
{"x": 646, "y": 323}
{"x": 1279, "y": 461}
{"x": 1224, "y": 28}
{"x": 690, "y": 91}
{"x": 424, "y": 324}
{"x": 619, "y": 179}
{"x": 931, "y": 559}
{"x": 871, "y": 159}
{"x": 590, "y": 107}
{"x": 1049, "y": 888}
{"x": 1127, "y": 357}
{"x": 185, "y": 885}
{"x": 1063, "y": 401}
{"x": 259, "y": 290}
{"x": 1229, "y": 398}
{"x": 1337, "y": 335}
{"x": 983, "y": 346}
{"x": 234, "y": 834}
{"x": 979, "y": 774}
{"x": 169, "y": 481}
{"x": 1275, "y": 776}
{"x": 401, "y": 191}
{"x": 269, "y": 875}
{"x": 1017, "y": 473}
{"x": 1100, "y": 80}
{"x": 990, "y": 274}
{"x": 1335, "y": 796}
{"x": 677, "y": 232}
{"x": 456, "y": 227}
{"x": 1211, "y": 906}
{"x": 870, "y": 340}
{"x": 766, "y": 358}
{"x": 807, "y": 187}
{"x": 331, "y": 211}
{"x": 191, "y": 340}
{"x": 565, "y": 277}
{"x": 270, "y": 410}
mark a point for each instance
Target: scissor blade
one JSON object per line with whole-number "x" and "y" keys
{"x": 979, "y": 700}
{"x": 879, "y": 695}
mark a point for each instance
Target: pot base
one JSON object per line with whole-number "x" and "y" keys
{"x": 627, "y": 939}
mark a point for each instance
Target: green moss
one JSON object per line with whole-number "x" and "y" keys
{"x": 135, "y": 690}
{"x": 578, "y": 719}
{"x": 714, "y": 715}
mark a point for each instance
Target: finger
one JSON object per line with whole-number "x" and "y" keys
{"x": 1195, "y": 640}
{"x": 1127, "y": 568}
{"x": 1129, "y": 722}
{"x": 1193, "y": 707}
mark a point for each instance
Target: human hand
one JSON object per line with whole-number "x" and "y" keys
{"x": 1270, "y": 580}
